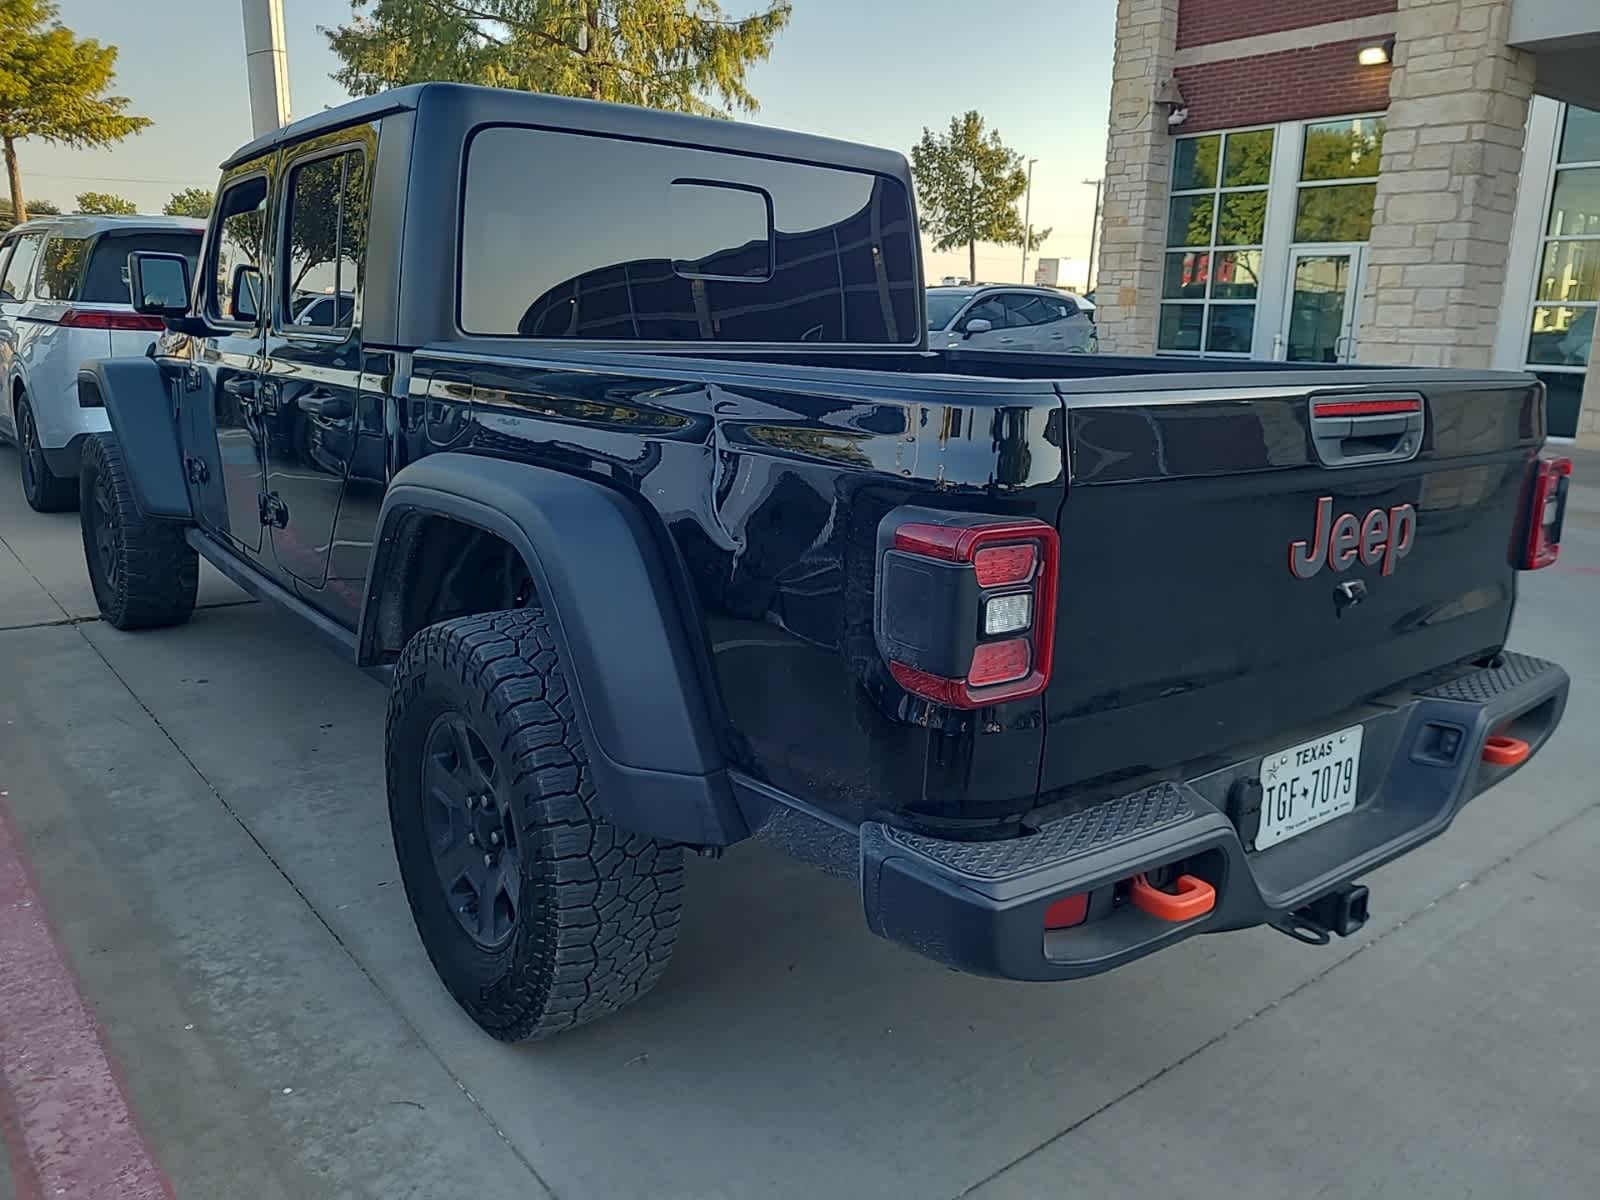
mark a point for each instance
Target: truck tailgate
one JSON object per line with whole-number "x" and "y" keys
{"x": 1190, "y": 625}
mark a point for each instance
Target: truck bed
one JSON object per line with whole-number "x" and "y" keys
{"x": 1177, "y": 488}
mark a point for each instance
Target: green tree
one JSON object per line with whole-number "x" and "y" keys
{"x": 39, "y": 208}
{"x": 968, "y": 183}
{"x": 52, "y": 87}
{"x": 106, "y": 204}
{"x": 683, "y": 55}
{"x": 191, "y": 202}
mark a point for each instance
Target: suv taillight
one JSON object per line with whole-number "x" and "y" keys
{"x": 1547, "y": 509}
{"x": 966, "y": 605}
{"x": 96, "y": 318}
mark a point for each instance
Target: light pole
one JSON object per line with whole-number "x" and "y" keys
{"x": 1027, "y": 221}
{"x": 266, "y": 64}
{"x": 1094, "y": 230}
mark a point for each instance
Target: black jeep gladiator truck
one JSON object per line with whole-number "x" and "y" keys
{"x": 608, "y": 439}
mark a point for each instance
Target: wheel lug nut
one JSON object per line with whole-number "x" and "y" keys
{"x": 472, "y": 839}
{"x": 488, "y": 860}
{"x": 494, "y": 839}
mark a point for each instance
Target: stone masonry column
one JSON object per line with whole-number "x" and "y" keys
{"x": 1133, "y": 225}
{"x": 1458, "y": 103}
{"x": 1589, "y": 413}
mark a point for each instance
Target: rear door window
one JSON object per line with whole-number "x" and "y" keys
{"x": 106, "y": 280}
{"x": 568, "y": 235}
{"x": 61, "y": 268}
{"x": 327, "y": 222}
{"x": 14, "y": 286}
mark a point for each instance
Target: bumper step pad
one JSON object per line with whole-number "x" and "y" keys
{"x": 980, "y": 905}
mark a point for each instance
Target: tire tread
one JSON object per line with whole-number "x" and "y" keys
{"x": 611, "y": 901}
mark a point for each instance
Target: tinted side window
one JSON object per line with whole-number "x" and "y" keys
{"x": 1033, "y": 310}
{"x": 989, "y": 309}
{"x": 61, "y": 268}
{"x": 15, "y": 284}
{"x": 106, "y": 281}
{"x": 570, "y": 235}
{"x": 236, "y": 256}
{"x": 327, "y": 233}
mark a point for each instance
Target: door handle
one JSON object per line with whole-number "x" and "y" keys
{"x": 244, "y": 389}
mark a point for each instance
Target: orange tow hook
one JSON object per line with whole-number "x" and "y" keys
{"x": 1504, "y": 751}
{"x": 1194, "y": 898}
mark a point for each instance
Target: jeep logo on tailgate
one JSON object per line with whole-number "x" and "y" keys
{"x": 1382, "y": 536}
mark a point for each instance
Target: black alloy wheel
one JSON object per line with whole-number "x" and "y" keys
{"x": 472, "y": 834}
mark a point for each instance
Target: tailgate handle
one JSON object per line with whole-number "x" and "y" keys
{"x": 1360, "y": 430}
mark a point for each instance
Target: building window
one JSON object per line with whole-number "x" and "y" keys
{"x": 1567, "y": 291}
{"x": 1215, "y": 224}
{"x": 1338, "y": 180}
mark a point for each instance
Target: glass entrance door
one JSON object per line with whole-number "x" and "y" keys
{"x": 1319, "y": 319}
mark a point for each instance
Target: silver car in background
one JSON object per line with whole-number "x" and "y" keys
{"x": 1010, "y": 317}
{"x": 64, "y": 299}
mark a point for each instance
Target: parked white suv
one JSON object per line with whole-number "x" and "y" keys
{"x": 63, "y": 299}
{"x": 1010, "y": 317}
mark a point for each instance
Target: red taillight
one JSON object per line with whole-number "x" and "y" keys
{"x": 1366, "y": 408}
{"x": 1546, "y": 511}
{"x": 1067, "y": 911}
{"x": 999, "y": 662}
{"x": 91, "y": 318}
{"x": 999, "y": 566}
{"x": 966, "y": 611}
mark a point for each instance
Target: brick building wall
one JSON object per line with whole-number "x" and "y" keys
{"x": 1312, "y": 81}
{"x": 1202, "y": 22}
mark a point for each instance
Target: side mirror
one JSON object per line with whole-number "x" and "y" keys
{"x": 244, "y": 298}
{"x": 977, "y": 325}
{"x": 159, "y": 283}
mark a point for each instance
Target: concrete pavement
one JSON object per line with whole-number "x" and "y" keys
{"x": 203, "y": 809}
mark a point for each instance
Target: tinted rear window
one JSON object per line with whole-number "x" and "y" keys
{"x": 107, "y": 279}
{"x": 571, "y": 236}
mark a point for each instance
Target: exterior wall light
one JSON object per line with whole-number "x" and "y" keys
{"x": 1375, "y": 54}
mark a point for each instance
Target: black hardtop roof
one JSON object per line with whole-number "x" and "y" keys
{"x": 481, "y": 105}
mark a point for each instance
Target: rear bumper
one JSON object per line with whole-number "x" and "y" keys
{"x": 980, "y": 906}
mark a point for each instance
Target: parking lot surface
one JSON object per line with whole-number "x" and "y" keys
{"x": 201, "y": 811}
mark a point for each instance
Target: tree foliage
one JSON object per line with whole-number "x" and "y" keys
{"x": 52, "y": 87}
{"x": 968, "y": 185}
{"x": 39, "y": 208}
{"x": 683, "y": 55}
{"x": 191, "y": 202}
{"x": 106, "y": 204}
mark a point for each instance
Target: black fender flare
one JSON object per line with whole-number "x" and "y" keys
{"x": 138, "y": 403}
{"x": 618, "y": 621}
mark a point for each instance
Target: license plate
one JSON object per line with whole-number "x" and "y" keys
{"x": 1308, "y": 785}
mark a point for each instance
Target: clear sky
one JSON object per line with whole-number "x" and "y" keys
{"x": 874, "y": 71}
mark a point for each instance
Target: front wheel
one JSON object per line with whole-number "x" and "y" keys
{"x": 142, "y": 570}
{"x": 44, "y": 490}
{"x": 537, "y": 913}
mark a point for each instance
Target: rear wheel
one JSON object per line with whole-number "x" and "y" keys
{"x": 143, "y": 572}
{"x": 537, "y": 914}
{"x": 44, "y": 490}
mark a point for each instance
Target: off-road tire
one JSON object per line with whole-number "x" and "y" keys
{"x": 42, "y": 488}
{"x": 143, "y": 573}
{"x": 598, "y": 910}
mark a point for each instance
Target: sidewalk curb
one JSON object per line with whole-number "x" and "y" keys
{"x": 68, "y": 1128}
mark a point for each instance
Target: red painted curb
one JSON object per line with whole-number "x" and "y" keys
{"x": 70, "y": 1130}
